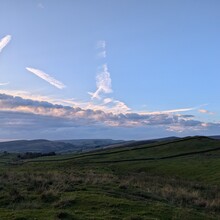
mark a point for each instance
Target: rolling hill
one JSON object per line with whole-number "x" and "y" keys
{"x": 46, "y": 146}
{"x": 167, "y": 179}
{"x": 69, "y": 146}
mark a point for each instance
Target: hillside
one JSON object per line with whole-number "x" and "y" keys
{"x": 176, "y": 179}
{"x": 45, "y": 146}
{"x": 69, "y": 146}
{"x": 217, "y": 137}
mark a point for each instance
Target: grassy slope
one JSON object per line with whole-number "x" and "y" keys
{"x": 90, "y": 186}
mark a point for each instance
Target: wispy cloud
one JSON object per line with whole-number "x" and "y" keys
{"x": 46, "y": 77}
{"x": 204, "y": 111}
{"x": 4, "y": 84}
{"x": 40, "y": 5}
{"x": 101, "y": 44}
{"x": 4, "y": 41}
{"x": 169, "y": 111}
{"x": 102, "y": 54}
{"x": 103, "y": 83}
{"x": 115, "y": 106}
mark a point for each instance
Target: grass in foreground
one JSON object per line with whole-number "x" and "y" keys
{"x": 185, "y": 187}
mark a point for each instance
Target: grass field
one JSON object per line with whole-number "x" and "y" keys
{"x": 164, "y": 180}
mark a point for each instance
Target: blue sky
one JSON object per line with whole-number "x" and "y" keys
{"x": 109, "y": 69}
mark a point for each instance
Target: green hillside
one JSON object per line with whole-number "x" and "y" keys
{"x": 177, "y": 179}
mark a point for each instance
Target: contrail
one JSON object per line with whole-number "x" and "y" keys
{"x": 168, "y": 111}
{"x": 46, "y": 77}
{"x": 103, "y": 83}
{"x": 4, "y": 84}
{"x": 4, "y": 41}
{"x": 101, "y": 45}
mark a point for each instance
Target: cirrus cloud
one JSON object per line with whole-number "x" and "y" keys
{"x": 4, "y": 41}
{"x": 46, "y": 77}
{"x": 204, "y": 111}
{"x": 4, "y": 84}
{"x": 103, "y": 83}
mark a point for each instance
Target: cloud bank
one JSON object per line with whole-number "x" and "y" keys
{"x": 46, "y": 77}
{"x": 76, "y": 116}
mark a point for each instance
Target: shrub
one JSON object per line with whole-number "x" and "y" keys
{"x": 15, "y": 195}
{"x": 49, "y": 196}
{"x": 65, "y": 216}
{"x": 65, "y": 203}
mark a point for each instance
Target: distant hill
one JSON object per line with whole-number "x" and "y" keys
{"x": 45, "y": 146}
{"x": 216, "y": 137}
{"x": 87, "y": 144}
{"x": 76, "y": 145}
{"x": 134, "y": 143}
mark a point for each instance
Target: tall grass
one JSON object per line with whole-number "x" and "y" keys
{"x": 47, "y": 187}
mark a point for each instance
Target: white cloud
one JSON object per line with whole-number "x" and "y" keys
{"x": 28, "y": 115}
{"x": 107, "y": 105}
{"x": 46, "y": 77}
{"x": 40, "y": 5}
{"x": 101, "y": 44}
{"x": 103, "y": 83}
{"x": 169, "y": 111}
{"x": 121, "y": 107}
{"x": 4, "y": 84}
{"x": 107, "y": 100}
{"x": 115, "y": 106}
{"x": 4, "y": 41}
{"x": 102, "y": 54}
{"x": 87, "y": 115}
{"x": 204, "y": 111}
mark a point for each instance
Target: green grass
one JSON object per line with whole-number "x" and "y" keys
{"x": 93, "y": 186}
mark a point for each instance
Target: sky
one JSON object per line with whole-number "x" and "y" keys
{"x": 120, "y": 69}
